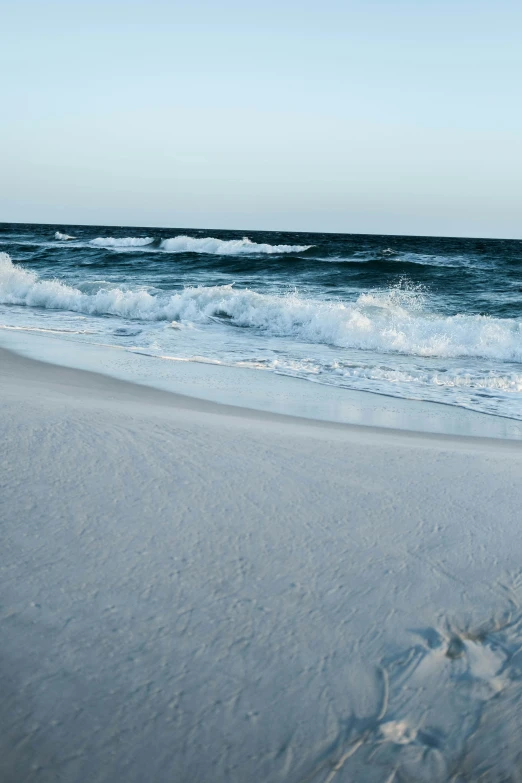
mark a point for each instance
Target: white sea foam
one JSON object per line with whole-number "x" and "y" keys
{"x": 59, "y": 235}
{"x": 393, "y": 321}
{"x": 405, "y": 377}
{"x": 230, "y": 247}
{"x": 121, "y": 241}
{"x": 43, "y": 330}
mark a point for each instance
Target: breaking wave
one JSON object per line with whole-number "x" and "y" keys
{"x": 226, "y": 247}
{"x": 121, "y": 242}
{"x": 59, "y": 235}
{"x": 393, "y": 321}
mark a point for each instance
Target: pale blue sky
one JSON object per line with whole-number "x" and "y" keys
{"x": 378, "y": 117}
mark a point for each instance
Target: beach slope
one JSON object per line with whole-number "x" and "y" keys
{"x": 202, "y": 593}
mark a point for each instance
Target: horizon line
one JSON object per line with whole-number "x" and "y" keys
{"x": 259, "y": 230}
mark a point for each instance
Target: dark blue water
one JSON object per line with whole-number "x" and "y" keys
{"x": 421, "y": 317}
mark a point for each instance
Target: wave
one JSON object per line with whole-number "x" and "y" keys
{"x": 121, "y": 241}
{"x": 393, "y": 258}
{"x": 393, "y": 321}
{"x": 226, "y": 247}
{"x": 64, "y": 237}
{"x": 205, "y": 245}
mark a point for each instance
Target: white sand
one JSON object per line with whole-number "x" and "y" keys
{"x": 194, "y": 592}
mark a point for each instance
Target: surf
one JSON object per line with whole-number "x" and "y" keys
{"x": 226, "y": 247}
{"x": 391, "y": 321}
{"x": 121, "y": 241}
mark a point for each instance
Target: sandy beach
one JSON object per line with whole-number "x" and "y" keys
{"x": 260, "y": 392}
{"x": 199, "y": 592}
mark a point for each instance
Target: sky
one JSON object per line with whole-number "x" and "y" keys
{"x": 395, "y": 117}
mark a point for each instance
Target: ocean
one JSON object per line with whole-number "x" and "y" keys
{"x": 422, "y": 318}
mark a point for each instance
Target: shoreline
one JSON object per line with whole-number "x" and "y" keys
{"x": 199, "y": 592}
{"x": 120, "y": 393}
{"x": 259, "y": 390}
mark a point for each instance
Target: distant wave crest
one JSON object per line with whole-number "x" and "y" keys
{"x": 63, "y": 237}
{"x": 121, "y": 241}
{"x": 226, "y": 247}
{"x": 206, "y": 245}
{"x": 389, "y": 321}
